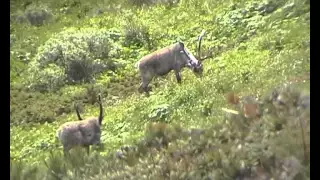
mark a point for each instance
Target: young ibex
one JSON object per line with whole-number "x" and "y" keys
{"x": 161, "y": 62}
{"x": 81, "y": 133}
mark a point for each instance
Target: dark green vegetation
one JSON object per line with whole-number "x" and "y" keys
{"x": 69, "y": 51}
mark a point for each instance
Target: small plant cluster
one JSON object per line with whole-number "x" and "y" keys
{"x": 242, "y": 146}
{"x": 136, "y": 35}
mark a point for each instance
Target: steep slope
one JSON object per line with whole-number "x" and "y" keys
{"x": 258, "y": 45}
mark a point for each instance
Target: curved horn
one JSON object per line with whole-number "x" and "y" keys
{"x": 101, "y": 109}
{"x": 199, "y": 45}
{"x": 77, "y": 111}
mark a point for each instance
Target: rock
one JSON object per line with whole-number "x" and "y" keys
{"x": 270, "y": 9}
{"x": 12, "y": 40}
{"x": 289, "y": 7}
{"x": 243, "y": 174}
{"x": 196, "y": 132}
{"x": 37, "y": 17}
{"x": 291, "y": 167}
{"x": 253, "y": 7}
{"x": 233, "y": 6}
{"x": 124, "y": 151}
{"x": 267, "y": 8}
{"x": 119, "y": 154}
{"x": 244, "y": 12}
{"x": 304, "y": 101}
{"x": 115, "y": 36}
{"x": 65, "y": 10}
{"x": 242, "y": 47}
{"x": 96, "y": 12}
{"x": 242, "y": 38}
{"x": 252, "y": 32}
{"x": 20, "y": 19}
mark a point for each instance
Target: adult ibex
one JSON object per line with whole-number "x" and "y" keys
{"x": 161, "y": 62}
{"x": 81, "y": 133}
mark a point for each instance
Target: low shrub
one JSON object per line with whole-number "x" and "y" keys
{"x": 72, "y": 56}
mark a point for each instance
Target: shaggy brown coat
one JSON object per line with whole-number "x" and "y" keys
{"x": 81, "y": 133}
{"x": 161, "y": 62}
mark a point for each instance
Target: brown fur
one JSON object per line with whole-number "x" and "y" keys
{"x": 161, "y": 62}
{"x": 81, "y": 133}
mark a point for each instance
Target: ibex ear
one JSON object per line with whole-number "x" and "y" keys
{"x": 181, "y": 44}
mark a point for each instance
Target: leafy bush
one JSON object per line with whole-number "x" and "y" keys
{"x": 136, "y": 35}
{"x": 51, "y": 77}
{"x": 73, "y": 56}
{"x": 160, "y": 113}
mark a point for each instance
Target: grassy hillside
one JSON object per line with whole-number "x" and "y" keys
{"x": 68, "y": 51}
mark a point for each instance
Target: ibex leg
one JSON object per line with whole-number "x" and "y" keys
{"x": 178, "y": 75}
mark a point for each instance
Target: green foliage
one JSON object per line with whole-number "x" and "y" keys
{"x": 49, "y": 78}
{"x": 90, "y": 47}
{"x": 160, "y": 112}
{"x": 222, "y": 151}
{"x": 35, "y": 107}
{"x": 141, "y": 3}
{"x": 136, "y": 35}
{"x": 34, "y": 14}
{"x": 76, "y": 55}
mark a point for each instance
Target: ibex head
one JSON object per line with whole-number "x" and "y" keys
{"x": 192, "y": 62}
{"x": 197, "y": 67}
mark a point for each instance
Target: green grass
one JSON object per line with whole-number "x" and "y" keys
{"x": 244, "y": 62}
